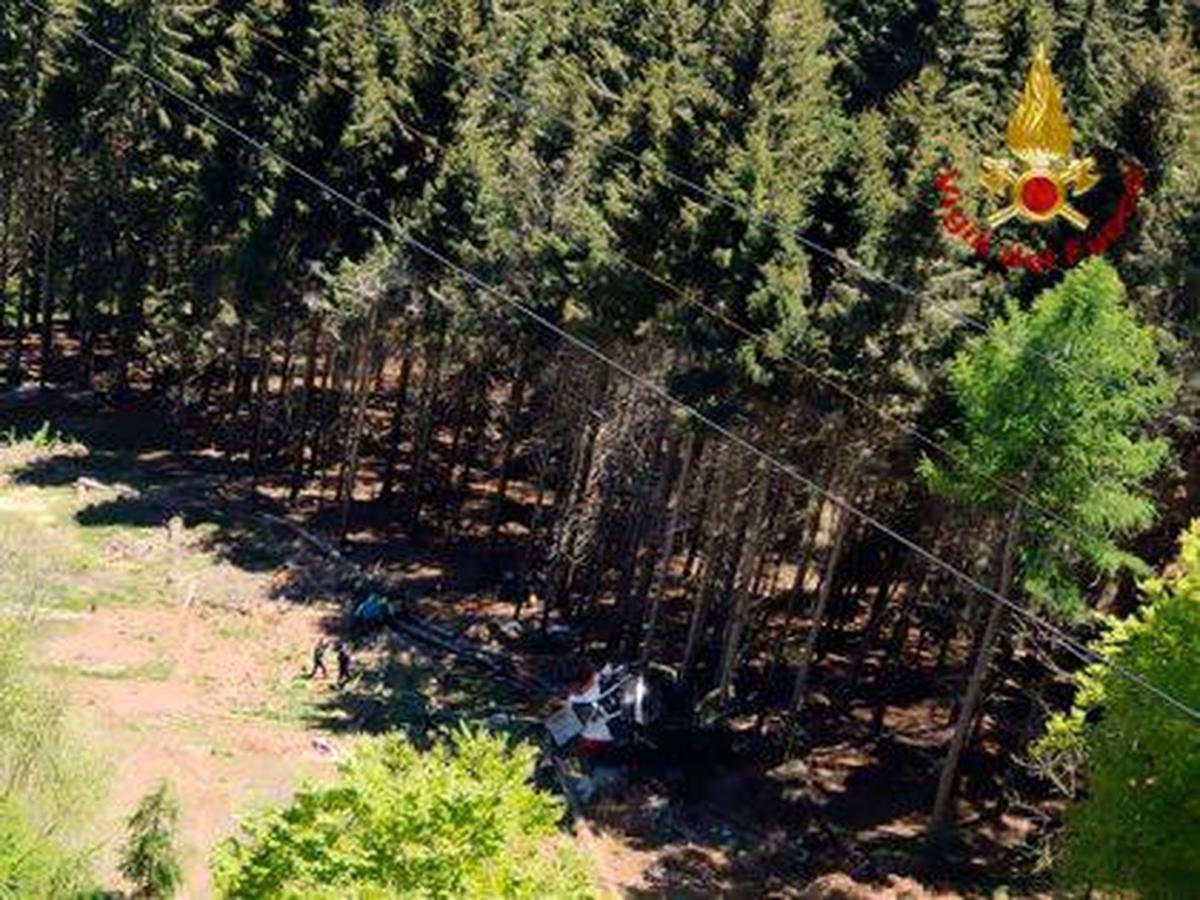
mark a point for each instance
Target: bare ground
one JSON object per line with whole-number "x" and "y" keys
{"x": 194, "y": 696}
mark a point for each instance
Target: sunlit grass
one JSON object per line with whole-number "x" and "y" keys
{"x": 50, "y": 560}
{"x": 292, "y": 701}
{"x": 152, "y": 670}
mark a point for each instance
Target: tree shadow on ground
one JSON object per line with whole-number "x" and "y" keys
{"x": 132, "y": 476}
{"x": 129, "y": 493}
{"x": 398, "y": 684}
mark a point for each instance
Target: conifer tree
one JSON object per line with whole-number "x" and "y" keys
{"x": 1055, "y": 400}
{"x": 147, "y": 149}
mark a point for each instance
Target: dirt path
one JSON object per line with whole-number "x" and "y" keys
{"x": 196, "y": 696}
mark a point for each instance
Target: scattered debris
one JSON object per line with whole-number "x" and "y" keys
{"x": 511, "y": 629}
{"x": 585, "y": 789}
{"x": 323, "y": 746}
{"x": 305, "y": 535}
{"x": 656, "y": 806}
{"x": 610, "y": 780}
{"x": 499, "y": 720}
{"x": 619, "y": 706}
{"x": 85, "y": 485}
{"x": 480, "y": 632}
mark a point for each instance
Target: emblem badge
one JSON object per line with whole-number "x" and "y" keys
{"x": 1038, "y": 183}
{"x": 1039, "y": 135}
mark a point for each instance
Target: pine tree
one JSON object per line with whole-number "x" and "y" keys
{"x": 1056, "y": 401}
{"x": 146, "y": 147}
{"x": 150, "y": 858}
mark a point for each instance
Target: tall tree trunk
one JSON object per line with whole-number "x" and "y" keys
{"x": 239, "y": 365}
{"x": 894, "y": 658}
{"x": 85, "y": 373}
{"x": 400, "y": 407}
{"x": 47, "y": 312}
{"x": 660, "y": 578}
{"x": 708, "y": 577}
{"x": 800, "y": 688}
{"x": 883, "y": 595}
{"x": 348, "y": 390}
{"x": 476, "y": 428}
{"x": 718, "y": 572}
{"x": 129, "y": 315}
{"x": 743, "y": 593}
{"x": 940, "y": 817}
{"x": 285, "y": 369}
{"x": 809, "y": 540}
{"x": 423, "y": 446}
{"x": 350, "y": 473}
{"x": 464, "y": 410}
{"x": 649, "y": 502}
{"x": 5, "y": 243}
{"x": 329, "y": 422}
{"x": 262, "y": 396}
{"x": 16, "y": 373}
{"x": 306, "y": 404}
{"x": 699, "y": 617}
{"x": 516, "y": 399}
{"x": 695, "y": 537}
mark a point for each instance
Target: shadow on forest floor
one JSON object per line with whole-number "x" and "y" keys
{"x": 719, "y": 814}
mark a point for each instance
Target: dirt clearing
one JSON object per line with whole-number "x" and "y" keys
{"x": 196, "y": 697}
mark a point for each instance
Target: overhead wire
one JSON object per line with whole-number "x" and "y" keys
{"x": 711, "y": 195}
{"x": 690, "y": 298}
{"x": 1082, "y": 652}
{"x": 1003, "y": 484}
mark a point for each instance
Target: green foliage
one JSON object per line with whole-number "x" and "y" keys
{"x": 1055, "y": 401}
{"x": 33, "y": 866}
{"x": 47, "y": 786}
{"x": 461, "y": 820}
{"x": 44, "y": 437}
{"x": 150, "y": 858}
{"x": 577, "y": 159}
{"x": 1135, "y": 828}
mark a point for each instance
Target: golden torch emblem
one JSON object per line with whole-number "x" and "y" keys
{"x": 1039, "y": 135}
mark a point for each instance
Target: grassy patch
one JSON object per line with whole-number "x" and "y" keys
{"x": 240, "y": 628}
{"x": 50, "y": 559}
{"x": 153, "y": 670}
{"x": 291, "y": 703}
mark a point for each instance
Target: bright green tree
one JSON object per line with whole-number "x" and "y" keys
{"x": 1054, "y": 401}
{"x": 1135, "y": 828}
{"x": 462, "y": 820}
{"x": 150, "y": 857}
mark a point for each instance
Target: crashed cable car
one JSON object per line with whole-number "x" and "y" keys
{"x": 618, "y": 707}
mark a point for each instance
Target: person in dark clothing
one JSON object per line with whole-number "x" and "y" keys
{"x": 343, "y": 665}
{"x": 318, "y": 659}
{"x": 514, "y": 590}
{"x": 510, "y": 590}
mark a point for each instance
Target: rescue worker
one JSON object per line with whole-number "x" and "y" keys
{"x": 343, "y": 665}
{"x": 318, "y": 659}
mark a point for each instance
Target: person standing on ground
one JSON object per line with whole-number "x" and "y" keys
{"x": 343, "y": 664}
{"x": 318, "y": 659}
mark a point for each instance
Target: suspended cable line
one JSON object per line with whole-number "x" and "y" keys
{"x": 1081, "y": 651}
{"x": 1005, "y": 485}
{"x": 713, "y": 196}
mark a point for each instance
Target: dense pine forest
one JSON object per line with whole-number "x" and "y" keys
{"x": 647, "y": 306}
